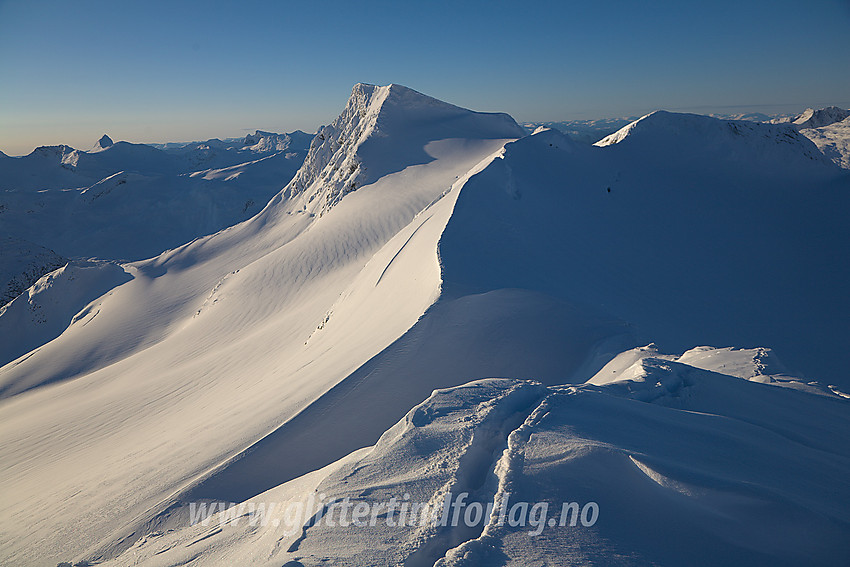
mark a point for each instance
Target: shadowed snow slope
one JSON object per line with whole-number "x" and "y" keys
{"x": 685, "y": 466}
{"x": 23, "y": 263}
{"x": 717, "y": 251}
{"x": 421, "y": 246}
{"x": 52, "y": 303}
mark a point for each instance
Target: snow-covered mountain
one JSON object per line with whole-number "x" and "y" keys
{"x": 23, "y": 263}
{"x": 104, "y": 142}
{"x": 221, "y": 154}
{"x": 833, "y": 140}
{"x": 125, "y": 201}
{"x": 584, "y": 131}
{"x": 591, "y": 131}
{"x": 56, "y": 300}
{"x": 811, "y": 118}
{"x": 751, "y": 116}
{"x": 693, "y": 134}
{"x": 422, "y": 247}
{"x": 373, "y": 129}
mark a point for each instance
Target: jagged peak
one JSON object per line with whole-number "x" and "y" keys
{"x": 388, "y": 127}
{"x": 104, "y": 142}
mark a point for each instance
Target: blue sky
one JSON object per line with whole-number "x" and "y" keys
{"x": 160, "y": 71}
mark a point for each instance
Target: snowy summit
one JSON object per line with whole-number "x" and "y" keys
{"x": 812, "y": 118}
{"x": 104, "y": 142}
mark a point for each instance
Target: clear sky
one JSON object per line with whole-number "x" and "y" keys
{"x": 153, "y": 71}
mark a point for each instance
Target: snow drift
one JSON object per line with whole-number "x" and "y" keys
{"x": 685, "y": 466}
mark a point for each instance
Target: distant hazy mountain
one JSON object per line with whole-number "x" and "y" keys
{"x": 591, "y": 131}
{"x": 22, "y": 263}
{"x": 130, "y": 201}
{"x": 584, "y": 131}
{"x": 812, "y": 118}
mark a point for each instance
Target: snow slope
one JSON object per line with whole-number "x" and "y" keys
{"x": 422, "y": 246}
{"x": 685, "y": 466}
{"x": 62, "y": 297}
{"x": 707, "y": 236}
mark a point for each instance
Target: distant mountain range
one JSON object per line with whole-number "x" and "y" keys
{"x": 122, "y": 201}
{"x": 591, "y": 131}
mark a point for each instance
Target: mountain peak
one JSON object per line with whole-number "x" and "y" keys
{"x": 382, "y": 130}
{"x": 681, "y": 134}
{"x": 104, "y": 142}
{"x": 811, "y": 118}
{"x": 270, "y": 142}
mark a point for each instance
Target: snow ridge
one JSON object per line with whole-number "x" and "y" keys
{"x": 662, "y": 129}
{"x": 372, "y": 138}
{"x": 23, "y": 264}
{"x": 811, "y": 118}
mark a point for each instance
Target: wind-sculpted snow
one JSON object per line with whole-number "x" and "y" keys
{"x": 755, "y": 364}
{"x": 675, "y": 466}
{"x": 255, "y": 364}
{"x": 268, "y": 315}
